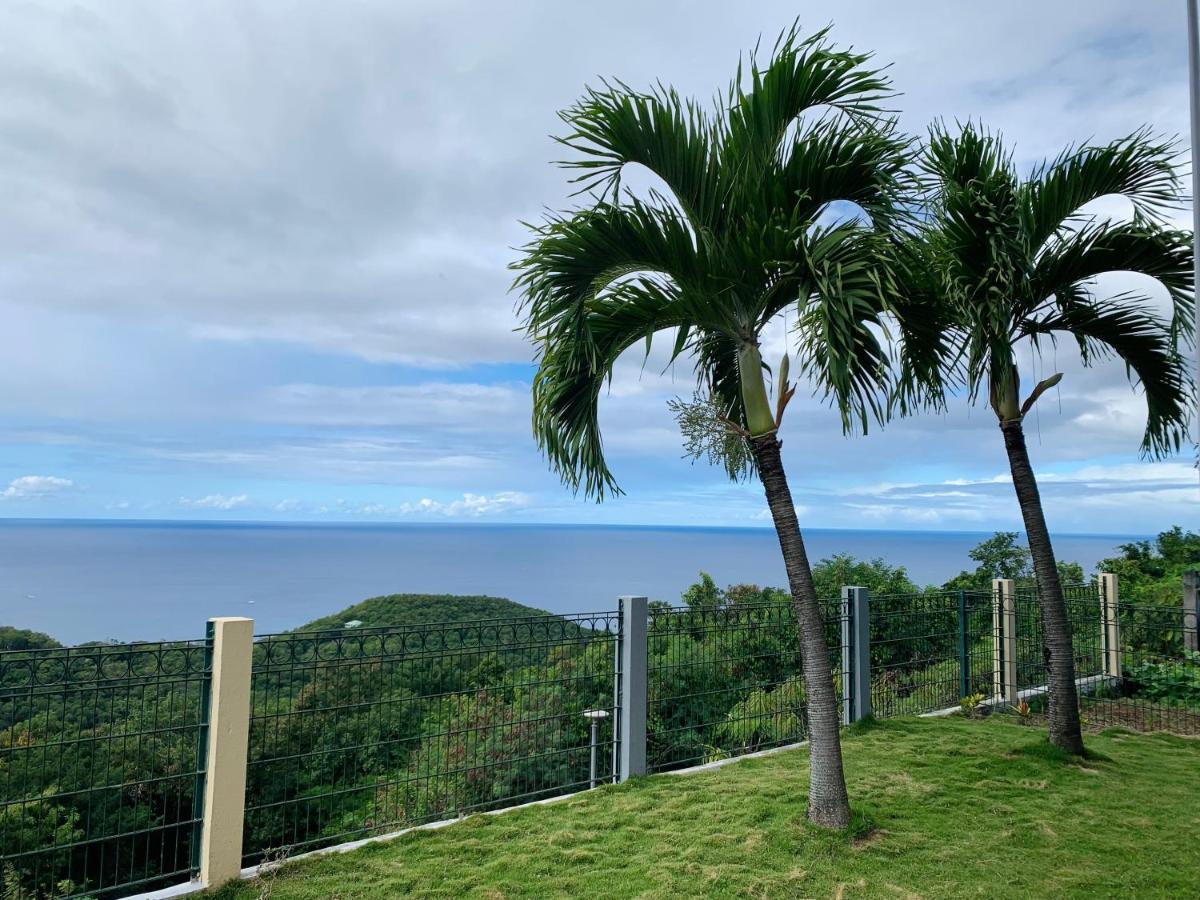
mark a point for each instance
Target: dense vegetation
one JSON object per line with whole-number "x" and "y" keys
{"x": 471, "y": 722}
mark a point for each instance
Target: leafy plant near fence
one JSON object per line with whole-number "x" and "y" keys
{"x": 1172, "y": 680}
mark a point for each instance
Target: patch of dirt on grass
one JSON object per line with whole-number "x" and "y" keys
{"x": 903, "y": 892}
{"x": 868, "y": 840}
{"x": 902, "y": 781}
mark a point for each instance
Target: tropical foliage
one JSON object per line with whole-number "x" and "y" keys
{"x": 1013, "y": 264}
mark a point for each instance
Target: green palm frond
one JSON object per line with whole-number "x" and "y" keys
{"x": 1072, "y": 260}
{"x": 617, "y": 126}
{"x": 840, "y": 335}
{"x": 574, "y": 365}
{"x": 802, "y": 74}
{"x": 1139, "y": 167}
{"x": 1121, "y": 327}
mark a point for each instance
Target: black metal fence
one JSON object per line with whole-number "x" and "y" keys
{"x": 359, "y": 732}
{"x": 929, "y": 651}
{"x": 1085, "y": 610}
{"x": 725, "y": 681}
{"x": 1159, "y": 684}
{"x": 100, "y": 766}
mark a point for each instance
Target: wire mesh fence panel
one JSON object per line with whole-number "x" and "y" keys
{"x": 724, "y": 681}
{"x": 1084, "y": 612}
{"x": 359, "y": 732}
{"x": 1158, "y": 683}
{"x": 100, "y": 767}
{"x": 929, "y": 651}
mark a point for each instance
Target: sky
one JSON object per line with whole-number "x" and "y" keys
{"x": 253, "y": 260}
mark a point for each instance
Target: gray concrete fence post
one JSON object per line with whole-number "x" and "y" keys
{"x": 1191, "y": 610}
{"x": 856, "y": 654}
{"x": 633, "y": 687}
{"x": 1110, "y": 624}
{"x": 1004, "y": 641}
{"x": 228, "y": 739}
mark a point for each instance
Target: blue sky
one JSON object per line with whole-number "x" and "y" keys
{"x": 253, "y": 260}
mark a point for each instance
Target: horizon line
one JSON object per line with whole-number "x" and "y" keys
{"x": 333, "y": 523}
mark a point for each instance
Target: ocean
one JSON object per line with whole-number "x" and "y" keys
{"x": 81, "y": 581}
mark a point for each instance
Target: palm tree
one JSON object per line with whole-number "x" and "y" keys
{"x": 740, "y": 229}
{"x": 1014, "y": 263}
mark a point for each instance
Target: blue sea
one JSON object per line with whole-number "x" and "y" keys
{"x": 81, "y": 581}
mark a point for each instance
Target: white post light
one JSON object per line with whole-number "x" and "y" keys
{"x": 595, "y": 716}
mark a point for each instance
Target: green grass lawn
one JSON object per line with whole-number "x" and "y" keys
{"x": 949, "y": 808}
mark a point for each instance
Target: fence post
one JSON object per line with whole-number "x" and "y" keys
{"x": 1110, "y": 635}
{"x": 856, "y": 654}
{"x": 1191, "y": 610}
{"x": 633, "y": 687}
{"x": 1004, "y": 641}
{"x": 964, "y": 656}
{"x": 228, "y": 738}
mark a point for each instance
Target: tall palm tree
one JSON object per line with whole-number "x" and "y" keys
{"x": 740, "y": 229}
{"x": 1015, "y": 263}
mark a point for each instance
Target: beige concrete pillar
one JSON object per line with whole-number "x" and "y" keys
{"x": 1110, "y": 625}
{"x": 228, "y": 738}
{"x": 1004, "y": 641}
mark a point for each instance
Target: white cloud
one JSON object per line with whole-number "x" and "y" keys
{"x": 469, "y": 505}
{"x": 215, "y": 501}
{"x": 32, "y": 486}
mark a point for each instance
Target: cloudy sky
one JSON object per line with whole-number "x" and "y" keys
{"x": 253, "y": 259}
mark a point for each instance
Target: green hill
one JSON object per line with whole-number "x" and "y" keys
{"x": 22, "y": 639}
{"x": 415, "y": 609}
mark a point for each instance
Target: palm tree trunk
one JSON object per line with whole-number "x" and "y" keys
{"x": 1056, "y": 625}
{"x": 828, "y": 803}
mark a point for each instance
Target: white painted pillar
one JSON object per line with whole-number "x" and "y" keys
{"x": 633, "y": 687}
{"x": 1191, "y": 610}
{"x": 1110, "y": 625}
{"x": 228, "y": 741}
{"x": 1004, "y": 641}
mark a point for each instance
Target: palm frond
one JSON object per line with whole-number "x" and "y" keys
{"x": 850, "y": 163}
{"x": 841, "y": 325}
{"x": 1139, "y": 167}
{"x": 574, "y": 364}
{"x": 1123, "y": 327}
{"x": 573, "y": 259}
{"x": 670, "y": 136}
{"x": 1073, "y": 259}
{"x": 802, "y": 74}
{"x": 930, "y": 352}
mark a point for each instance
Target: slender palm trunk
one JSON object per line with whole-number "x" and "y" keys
{"x": 828, "y": 804}
{"x": 1056, "y": 625}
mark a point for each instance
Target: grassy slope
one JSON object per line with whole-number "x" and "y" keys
{"x": 410, "y": 609}
{"x": 959, "y": 809}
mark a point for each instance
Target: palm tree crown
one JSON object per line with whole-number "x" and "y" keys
{"x": 742, "y": 228}
{"x": 1017, "y": 260}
